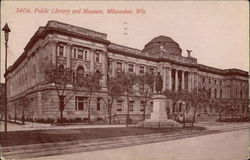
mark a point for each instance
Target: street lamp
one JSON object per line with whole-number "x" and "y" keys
{"x": 6, "y": 30}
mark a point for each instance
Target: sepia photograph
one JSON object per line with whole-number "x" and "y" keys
{"x": 124, "y": 80}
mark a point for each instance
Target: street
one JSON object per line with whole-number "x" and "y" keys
{"x": 223, "y": 146}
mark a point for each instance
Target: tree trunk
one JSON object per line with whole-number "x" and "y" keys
{"x": 89, "y": 107}
{"x": 144, "y": 112}
{"x": 194, "y": 117}
{"x": 110, "y": 119}
{"x": 23, "y": 118}
{"x": 127, "y": 118}
{"x": 61, "y": 113}
{"x": 184, "y": 120}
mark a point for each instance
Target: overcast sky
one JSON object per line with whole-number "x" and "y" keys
{"x": 217, "y": 32}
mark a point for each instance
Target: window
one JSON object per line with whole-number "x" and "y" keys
{"x": 98, "y": 104}
{"x": 151, "y": 69}
{"x": 220, "y": 93}
{"x": 131, "y": 106}
{"x": 203, "y": 80}
{"x": 79, "y": 103}
{"x": 61, "y": 70}
{"x": 97, "y": 57}
{"x": 86, "y": 55}
{"x": 141, "y": 69}
{"x": 130, "y": 67}
{"x": 151, "y": 106}
{"x": 215, "y": 93}
{"x": 80, "y": 54}
{"x": 215, "y": 81}
{"x": 119, "y": 105}
{"x": 61, "y": 50}
{"x": 209, "y": 80}
{"x": 209, "y": 92}
{"x": 142, "y": 105}
{"x": 220, "y": 83}
{"x": 74, "y": 53}
{"x": 119, "y": 66}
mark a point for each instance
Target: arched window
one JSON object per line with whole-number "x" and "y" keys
{"x": 98, "y": 74}
{"x": 80, "y": 69}
{"x": 79, "y": 73}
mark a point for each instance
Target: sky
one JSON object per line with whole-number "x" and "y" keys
{"x": 216, "y": 32}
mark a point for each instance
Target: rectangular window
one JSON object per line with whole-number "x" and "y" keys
{"x": 61, "y": 50}
{"x": 86, "y": 55}
{"x": 220, "y": 93}
{"x": 203, "y": 80}
{"x": 74, "y": 53}
{"x": 119, "y": 105}
{"x": 220, "y": 83}
{"x": 215, "y": 82}
{"x": 209, "y": 81}
{"x": 98, "y": 104}
{"x": 131, "y": 105}
{"x": 80, "y": 54}
{"x": 97, "y": 57}
{"x": 151, "y": 106}
{"x": 141, "y": 69}
{"x": 79, "y": 103}
{"x": 142, "y": 105}
{"x": 130, "y": 67}
{"x": 151, "y": 69}
{"x": 119, "y": 66}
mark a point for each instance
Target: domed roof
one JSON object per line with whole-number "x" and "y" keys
{"x": 162, "y": 43}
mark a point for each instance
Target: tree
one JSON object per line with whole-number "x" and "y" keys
{"x": 197, "y": 98}
{"x": 60, "y": 78}
{"x": 91, "y": 82}
{"x": 146, "y": 86}
{"x": 114, "y": 91}
{"x": 128, "y": 82}
{"x": 180, "y": 96}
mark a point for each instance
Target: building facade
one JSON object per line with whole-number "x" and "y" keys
{"x": 77, "y": 48}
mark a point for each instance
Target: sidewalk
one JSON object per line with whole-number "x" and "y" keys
{"x": 40, "y": 126}
{"x": 47, "y": 149}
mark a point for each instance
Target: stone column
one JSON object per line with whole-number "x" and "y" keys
{"x": 92, "y": 60}
{"x": 113, "y": 67}
{"x": 176, "y": 80}
{"x": 53, "y": 52}
{"x": 164, "y": 80}
{"x": 182, "y": 81}
{"x": 189, "y": 81}
{"x": 68, "y": 55}
{"x": 169, "y": 78}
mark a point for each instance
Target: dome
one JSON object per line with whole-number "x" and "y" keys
{"x": 164, "y": 44}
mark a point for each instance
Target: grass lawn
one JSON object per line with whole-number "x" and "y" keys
{"x": 61, "y": 135}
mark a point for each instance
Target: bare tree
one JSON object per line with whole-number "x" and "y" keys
{"x": 114, "y": 91}
{"x": 91, "y": 82}
{"x": 146, "y": 89}
{"x": 61, "y": 78}
{"x": 128, "y": 82}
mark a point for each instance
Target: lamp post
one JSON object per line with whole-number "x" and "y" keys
{"x": 6, "y": 30}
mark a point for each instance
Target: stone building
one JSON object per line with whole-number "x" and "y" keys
{"x": 77, "y": 48}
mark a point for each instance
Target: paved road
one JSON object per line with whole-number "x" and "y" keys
{"x": 223, "y": 146}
